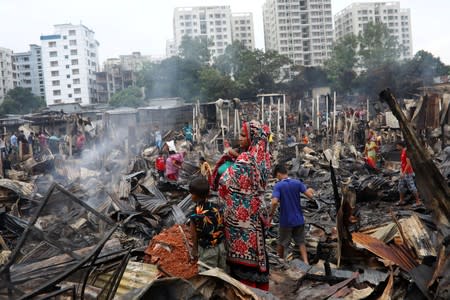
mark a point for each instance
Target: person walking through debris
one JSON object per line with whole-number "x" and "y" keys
{"x": 242, "y": 188}
{"x": 187, "y": 132}
{"x": 158, "y": 138}
{"x": 370, "y": 152}
{"x": 80, "y": 142}
{"x": 286, "y": 194}
{"x": 205, "y": 169}
{"x": 13, "y": 142}
{"x": 406, "y": 181}
{"x": 173, "y": 165}
{"x": 23, "y": 142}
{"x": 207, "y": 229}
{"x": 160, "y": 165}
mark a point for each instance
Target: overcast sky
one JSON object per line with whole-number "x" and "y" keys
{"x": 124, "y": 26}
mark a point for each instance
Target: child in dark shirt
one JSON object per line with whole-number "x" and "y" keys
{"x": 207, "y": 227}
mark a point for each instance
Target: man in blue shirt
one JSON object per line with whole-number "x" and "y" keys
{"x": 286, "y": 194}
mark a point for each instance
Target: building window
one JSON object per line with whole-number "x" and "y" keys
{"x": 76, "y": 81}
{"x": 68, "y": 76}
{"x": 69, "y": 86}
{"x": 72, "y": 32}
{"x": 65, "y": 47}
{"x": 74, "y": 62}
{"x": 75, "y": 71}
{"x": 57, "y": 93}
{"x": 51, "y": 44}
{"x": 55, "y": 73}
{"x": 67, "y": 66}
{"x": 73, "y": 42}
{"x": 73, "y": 52}
{"x": 77, "y": 99}
{"x": 70, "y": 95}
{"x": 77, "y": 91}
{"x": 54, "y": 63}
{"x": 55, "y": 83}
{"x": 53, "y": 53}
{"x": 56, "y": 101}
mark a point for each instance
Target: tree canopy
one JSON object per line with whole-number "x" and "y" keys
{"x": 21, "y": 101}
{"x": 129, "y": 97}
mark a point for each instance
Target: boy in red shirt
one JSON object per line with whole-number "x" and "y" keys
{"x": 406, "y": 181}
{"x": 160, "y": 165}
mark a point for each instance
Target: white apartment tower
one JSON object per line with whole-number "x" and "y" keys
{"x": 211, "y": 22}
{"x": 70, "y": 61}
{"x": 28, "y": 70}
{"x": 242, "y": 29}
{"x": 299, "y": 29}
{"x": 6, "y": 72}
{"x": 354, "y": 18}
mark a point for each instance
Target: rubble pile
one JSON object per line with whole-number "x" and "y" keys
{"x": 171, "y": 252}
{"x": 104, "y": 225}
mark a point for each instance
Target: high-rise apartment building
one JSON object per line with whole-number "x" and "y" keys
{"x": 354, "y": 18}
{"x": 6, "y": 72}
{"x": 28, "y": 70}
{"x": 242, "y": 29}
{"x": 299, "y": 29}
{"x": 70, "y": 61}
{"x": 211, "y": 22}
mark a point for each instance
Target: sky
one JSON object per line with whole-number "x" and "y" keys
{"x": 125, "y": 26}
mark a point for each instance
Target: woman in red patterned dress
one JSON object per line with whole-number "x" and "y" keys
{"x": 242, "y": 188}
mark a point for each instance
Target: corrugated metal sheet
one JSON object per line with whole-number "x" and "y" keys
{"x": 397, "y": 254}
{"x": 136, "y": 275}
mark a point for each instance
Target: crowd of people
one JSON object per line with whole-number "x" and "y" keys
{"x": 230, "y": 234}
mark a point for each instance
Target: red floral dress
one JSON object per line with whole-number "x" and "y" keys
{"x": 242, "y": 188}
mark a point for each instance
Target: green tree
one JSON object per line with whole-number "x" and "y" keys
{"x": 377, "y": 46}
{"x": 253, "y": 71}
{"x": 195, "y": 49}
{"x": 129, "y": 97}
{"x": 306, "y": 79}
{"x": 21, "y": 101}
{"x": 215, "y": 85}
{"x": 340, "y": 67}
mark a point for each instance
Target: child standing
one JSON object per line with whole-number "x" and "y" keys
{"x": 160, "y": 165}
{"x": 207, "y": 227}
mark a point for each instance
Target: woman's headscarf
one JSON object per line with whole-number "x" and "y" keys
{"x": 257, "y": 136}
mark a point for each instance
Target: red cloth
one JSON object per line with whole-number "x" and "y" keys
{"x": 173, "y": 177}
{"x": 80, "y": 141}
{"x": 160, "y": 163}
{"x": 406, "y": 169}
{"x": 261, "y": 286}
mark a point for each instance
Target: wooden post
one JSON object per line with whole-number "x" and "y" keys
{"x": 70, "y": 146}
{"x": 368, "y": 110}
{"x": 300, "y": 119}
{"x": 20, "y": 151}
{"x": 262, "y": 109}
{"x": 270, "y": 113}
{"x": 318, "y": 113}
{"x": 284, "y": 113}
{"x": 30, "y": 149}
{"x": 334, "y": 119}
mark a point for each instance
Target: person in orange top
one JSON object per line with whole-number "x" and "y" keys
{"x": 305, "y": 139}
{"x": 406, "y": 181}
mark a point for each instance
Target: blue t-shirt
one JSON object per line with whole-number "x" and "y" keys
{"x": 287, "y": 191}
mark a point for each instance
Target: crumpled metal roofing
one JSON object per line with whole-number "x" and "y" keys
{"x": 397, "y": 254}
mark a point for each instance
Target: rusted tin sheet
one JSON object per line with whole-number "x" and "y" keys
{"x": 397, "y": 254}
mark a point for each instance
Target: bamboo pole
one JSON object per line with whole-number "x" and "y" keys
{"x": 334, "y": 119}
{"x": 20, "y": 151}
{"x": 284, "y": 113}
{"x": 262, "y": 109}
{"x": 270, "y": 113}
